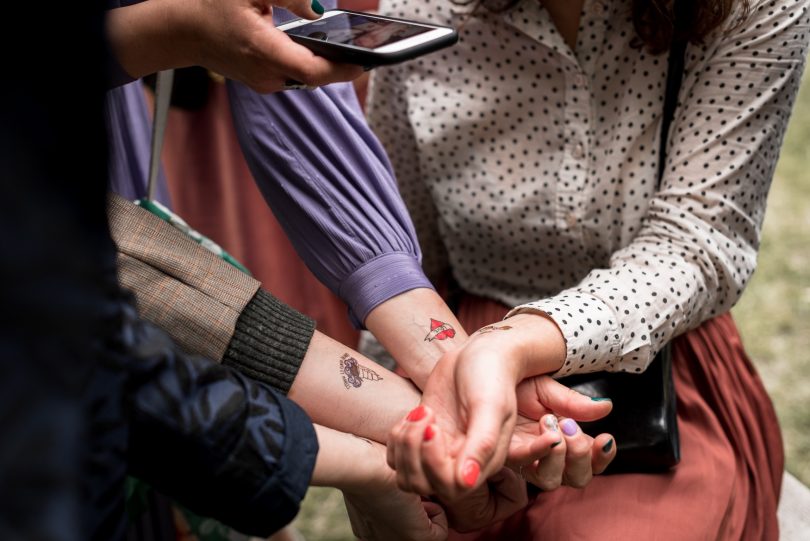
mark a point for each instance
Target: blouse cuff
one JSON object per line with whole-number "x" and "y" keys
{"x": 380, "y": 279}
{"x": 590, "y": 328}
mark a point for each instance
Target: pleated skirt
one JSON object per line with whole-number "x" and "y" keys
{"x": 727, "y": 484}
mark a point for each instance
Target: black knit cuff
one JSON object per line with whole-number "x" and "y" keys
{"x": 269, "y": 342}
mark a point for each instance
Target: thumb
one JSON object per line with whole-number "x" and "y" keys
{"x": 308, "y": 9}
{"x": 488, "y": 433}
{"x": 566, "y": 402}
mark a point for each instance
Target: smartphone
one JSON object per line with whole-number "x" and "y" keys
{"x": 368, "y": 40}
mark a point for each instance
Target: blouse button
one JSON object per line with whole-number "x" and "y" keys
{"x": 579, "y": 151}
{"x": 571, "y": 219}
{"x": 581, "y": 80}
{"x": 598, "y": 8}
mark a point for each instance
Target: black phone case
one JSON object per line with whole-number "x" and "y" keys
{"x": 349, "y": 54}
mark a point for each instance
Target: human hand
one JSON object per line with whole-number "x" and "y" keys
{"x": 498, "y": 497}
{"x": 235, "y": 38}
{"x": 472, "y": 392}
{"x": 578, "y": 456}
{"x": 382, "y": 512}
{"x": 572, "y": 460}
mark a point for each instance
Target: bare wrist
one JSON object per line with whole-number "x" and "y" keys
{"x": 540, "y": 343}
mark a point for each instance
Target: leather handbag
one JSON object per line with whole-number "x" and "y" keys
{"x": 643, "y": 419}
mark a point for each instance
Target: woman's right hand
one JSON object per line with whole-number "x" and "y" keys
{"x": 235, "y": 38}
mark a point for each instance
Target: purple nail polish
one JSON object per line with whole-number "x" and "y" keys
{"x": 569, "y": 427}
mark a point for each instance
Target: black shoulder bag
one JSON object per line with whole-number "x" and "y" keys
{"x": 643, "y": 419}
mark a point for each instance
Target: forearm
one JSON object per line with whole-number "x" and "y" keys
{"x": 349, "y": 463}
{"x": 341, "y": 389}
{"x": 148, "y": 37}
{"x": 416, "y": 328}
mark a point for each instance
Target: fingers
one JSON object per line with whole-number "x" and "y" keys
{"x": 566, "y": 402}
{"x": 405, "y": 451}
{"x": 547, "y": 473}
{"x": 578, "y": 469}
{"x": 437, "y": 468}
{"x": 488, "y": 433}
{"x": 308, "y": 9}
{"x": 284, "y": 60}
{"x": 602, "y": 453}
{"x": 527, "y": 451}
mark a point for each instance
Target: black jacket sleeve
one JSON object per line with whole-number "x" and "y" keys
{"x": 221, "y": 444}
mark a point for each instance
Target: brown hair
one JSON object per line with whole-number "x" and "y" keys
{"x": 654, "y": 20}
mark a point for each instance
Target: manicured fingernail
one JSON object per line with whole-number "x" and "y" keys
{"x": 569, "y": 427}
{"x": 601, "y": 399}
{"x": 430, "y": 432}
{"x": 317, "y": 7}
{"x": 555, "y": 444}
{"x": 551, "y": 423}
{"x": 470, "y": 471}
{"x": 417, "y": 414}
{"x": 608, "y": 446}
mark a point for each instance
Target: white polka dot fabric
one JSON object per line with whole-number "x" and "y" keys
{"x": 530, "y": 169}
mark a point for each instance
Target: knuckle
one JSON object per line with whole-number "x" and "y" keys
{"x": 578, "y": 481}
{"x": 486, "y": 447}
{"x": 547, "y": 484}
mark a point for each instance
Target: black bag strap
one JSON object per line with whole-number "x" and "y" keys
{"x": 675, "y": 66}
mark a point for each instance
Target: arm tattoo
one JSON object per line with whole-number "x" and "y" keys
{"x": 490, "y": 328}
{"x": 439, "y": 330}
{"x": 354, "y": 373}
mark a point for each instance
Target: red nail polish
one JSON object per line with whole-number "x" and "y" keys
{"x": 416, "y": 414}
{"x": 429, "y": 433}
{"x": 470, "y": 472}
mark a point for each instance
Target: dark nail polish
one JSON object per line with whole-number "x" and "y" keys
{"x": 601, "y": 399}
{"x": 555, "y": 444}
{"x": 317, "y": 7}
{"x": 608, "y": 446}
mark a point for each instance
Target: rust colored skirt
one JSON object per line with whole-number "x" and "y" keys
{"x": 727, "y": 484}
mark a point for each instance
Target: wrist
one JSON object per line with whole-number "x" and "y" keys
{"x": 417, "y": 329}
{"x": 540, "y": 345}
{"x": 151, "y": 36}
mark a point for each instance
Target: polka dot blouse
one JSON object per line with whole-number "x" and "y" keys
{"x": 530, "y": 169}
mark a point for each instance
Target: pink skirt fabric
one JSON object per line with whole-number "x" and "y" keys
{"x": 727, "y": 484}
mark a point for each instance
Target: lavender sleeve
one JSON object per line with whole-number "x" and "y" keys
{"x": 332, "y": 189}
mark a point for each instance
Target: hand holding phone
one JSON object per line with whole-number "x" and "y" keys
{"x": 368, "y": 40}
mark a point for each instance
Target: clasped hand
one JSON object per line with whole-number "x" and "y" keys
{"x": 479, "y": 411}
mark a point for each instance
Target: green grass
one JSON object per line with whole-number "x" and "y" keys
{"x": 773, "y": 316}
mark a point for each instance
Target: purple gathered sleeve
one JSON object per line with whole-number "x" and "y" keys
{"x": 332, "y": 189}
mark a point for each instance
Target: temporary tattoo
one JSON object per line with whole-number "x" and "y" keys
{"x": 439, "y": 331}
{"x": 490, "y": 328}
{"x": 354, "y": 373}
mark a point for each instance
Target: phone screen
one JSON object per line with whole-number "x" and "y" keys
{"x": 358, "y": 30}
